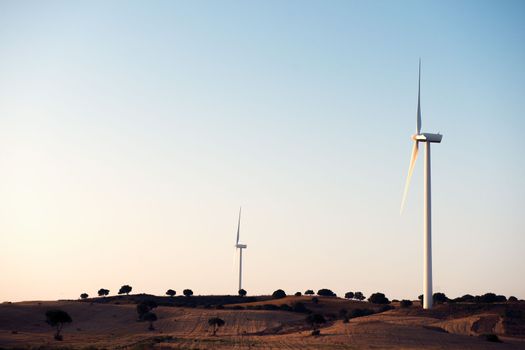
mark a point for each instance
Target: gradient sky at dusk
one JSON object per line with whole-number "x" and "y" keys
{"x": 131, "y": 131}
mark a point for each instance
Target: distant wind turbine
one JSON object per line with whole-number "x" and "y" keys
{"x": 240, "y": 247}
{"x": 427, "y": 227}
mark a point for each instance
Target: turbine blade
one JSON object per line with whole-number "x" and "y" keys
{"x": 238, "y": 226}
{"x": 418, "y": 123}
{"x": 413, "y": 158}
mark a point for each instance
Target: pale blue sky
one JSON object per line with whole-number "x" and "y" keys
{"x": 130, "y": 132}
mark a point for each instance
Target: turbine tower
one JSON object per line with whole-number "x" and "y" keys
{"x": 240, "y": 247}
{"x": 427, "y": 138}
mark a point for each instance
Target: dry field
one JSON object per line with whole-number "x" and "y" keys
{"x": 115, "y": 326}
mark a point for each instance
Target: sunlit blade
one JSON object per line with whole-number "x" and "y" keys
{"x": 413, "y": 158}
{"x": 418, "y": 127}
{"x": 238, "y": 227}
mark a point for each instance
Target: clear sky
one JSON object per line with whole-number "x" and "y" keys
{"x": 131, "y": 132}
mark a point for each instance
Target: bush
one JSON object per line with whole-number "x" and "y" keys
{"x": 84, "y": 296}
{"x": 150, "y": 317}
{"x": 405, "y": 303}
{"x": 125, "y": 289}
{"x": 487, "y": 298}
{"x": 242, "y": 292}
{"x": 378, "y": 298}
{"x": 309, "y": 292}
{"x": 216, "y": 323}
{"x": 360, "y": 313}
{"x": 285, "y": 307}
{"x": 386, "y": 308}
{"x": 501, "y": 299}
{"x": 349, "y": 295}
{"x": 299, "y": 307}
{"x": 315, "y": 320}
{"x": 513, "y": 299}
{"x": 326, "y": 293}
{"x": 316, "y": 333}
{"x": 171, "y": 293}
{"x": 278, "y": 294}
{"x": 297, "y": 294}
{"x": 187, "y": 292}
{"x": 315, "y": 300}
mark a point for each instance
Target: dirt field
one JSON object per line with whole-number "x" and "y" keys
{"x": 110, "y": 326}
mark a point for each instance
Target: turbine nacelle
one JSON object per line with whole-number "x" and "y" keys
{"x": 242, "y": 246}
{"x": 427, "y": 137}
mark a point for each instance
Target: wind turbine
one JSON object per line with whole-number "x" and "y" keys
{"x": 427, "y": 138}
{"x": 240, "y": 247}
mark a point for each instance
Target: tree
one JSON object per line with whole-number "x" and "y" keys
{"x": 297, "y": 294}
{"x": 439, "y": 298}
{"x": 315, "y": 321}
{"x": 378, "y": 298}
{"x": 513, "y": 299}
{"x": 488, "y": 298}
{"x": 242, "y": 292}
{"x": 187, "y": 292}
{"x": 103, "y": 292}
{"x": 349, "y": 295}
{"x": 216, "y": 322}
{"x": 150, "y": 317}
{"x": 84, "y": 296}
{"x": 278, "y": 294}
{"x": 125, "y": 289}
{"x": 57, "y": 319}
{"x": 326, "y": 293}
{"x": 309, "y": 292}
{"x": 405, "y": 303}
{"x": 171, "y": 292}
{"x": 359, "y": 296}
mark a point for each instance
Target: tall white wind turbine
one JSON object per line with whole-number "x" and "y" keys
{"x": 427, "y": 138}
{"x": 240, "y": 247}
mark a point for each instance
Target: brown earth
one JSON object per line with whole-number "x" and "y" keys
{"x": 112, "y": 326}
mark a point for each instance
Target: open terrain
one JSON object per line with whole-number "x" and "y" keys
{"x": 261, "y": 323}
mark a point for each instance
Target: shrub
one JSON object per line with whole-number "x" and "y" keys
{"x": 309, "y": 292}
{"x": 84, "y": 296}
{"x": 513, "y": 299}
{"x": 171, "y": 293}
{"x": 278, "y": 294}
{"x": 285, "y": 307}
{"x": 103, "y": 292}
{"x": 360, "y": 313}
{"x": 316, "y": 333}
{"x": 315, "y": 300}
{"x": 242, "y": 292}
{"x": 315, "y": 320}
{"x": 349, "y": 295}
{"x": 326, "y": 293}
{"x": 501, "y": 299}
{"x": 405, "y": 303}
{"x": 297, "y": 294}
{"x": 386, "y": 308}
{"x": 299, "y": 307}
{"x": 378, "y": 298}
{"x": 125, "y": 289}
{"x": 488, "y": 298}
{"x": 57, "y": 319}
{"x": 187, "y": 292}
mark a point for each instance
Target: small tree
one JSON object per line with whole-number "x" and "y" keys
{"x": 84, "y": 296}
{"x": 439, "y": 298}
{"x": 326, "y": 292}
{"x": 216, "y": 322}
{"x": 171, "y": 293}
{"x": 309, "y": 292}
{"x": 103, "y": 292}
{"x": 349, "y": 295}
{"x": 187, "y": 292}
{"x": 297, "y": 294}
{"x": 150, "y": 317}
{"x": 242, "y": 292}
{"x": 278, "y": 294}
{"x": 315, "y": 321}
{"x": 125, "y": 289}
{"x": 359, "y": 296}
{"x": 513, "y": 299}
{"x": 405, "y": 303}
{"x": 57, "y": 319}
{"x": 378, "y": 298}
